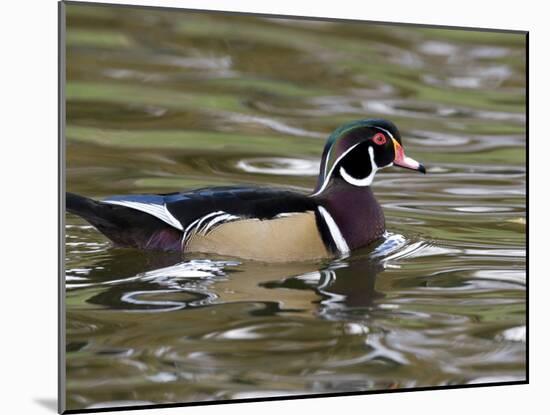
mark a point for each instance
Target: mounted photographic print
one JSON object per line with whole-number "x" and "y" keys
{"x": 262, "y": 207}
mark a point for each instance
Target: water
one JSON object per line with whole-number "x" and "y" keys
{"x": 159, "y": 102}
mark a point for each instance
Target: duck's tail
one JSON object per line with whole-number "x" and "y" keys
{"x": 125, "y": 226}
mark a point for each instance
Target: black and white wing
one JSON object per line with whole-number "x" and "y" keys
{"x": 200, "y": 211}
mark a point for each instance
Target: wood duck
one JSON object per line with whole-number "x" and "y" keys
{"x": 265, "y": 224}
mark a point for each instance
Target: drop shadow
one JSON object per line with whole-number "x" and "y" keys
{"x": 48, "y": 403}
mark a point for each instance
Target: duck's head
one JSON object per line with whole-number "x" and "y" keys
{"x": 356, "y": 151}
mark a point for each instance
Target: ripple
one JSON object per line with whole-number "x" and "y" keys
{"x": 196, "y": 62}
{"x": 280, "y": 166}
{"x": 514, "y": 334}
{"x": 256, "y": 331}
{"x": 134, "y": 75}
{"x": 87, "y": 247}
{"x": 381, "y": 350}
{"x": 495, "y": 252}
{"x": 479, "y": 191}
{"x": 480, "y": 77}
{"x": 163, "y": 377}
{"x": 518, "y": 276}
{"x": 496, "y": 379}
{"x": 489, "y": 52}
{"x": 118, "y": 404}
{"x": 171, "y": 276}
{"x": 78, "y": 271}
{"x": 449, "y": 208}
{"x": 152, "y": 305}
{"x": 437, "y": 48}
{"x": 73, "y": 278}
{"x": 437, "y": 138}
{"x": 244, "y": 333}
{"x": 392, "y": 243}
{"x": 473, "y": 142}
{"x": 275, "y": 125}
{"x": 421, "y": 249}
{"x": 197, "y": 268}
{"x": 483, "y": 209}
{"x": 396, "y": 107}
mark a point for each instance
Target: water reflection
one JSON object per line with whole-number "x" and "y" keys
{"x": 165, "y": 282}
{"x": 172, "y": 286}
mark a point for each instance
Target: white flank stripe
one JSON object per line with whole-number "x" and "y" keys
{"x": 186, "y": 233}
{"x": 205, "y": 217}
{"x": 335, "y": 233}
{"x": 158, "y": 211}
{"x": 222, "y": 218}
{"x": 194, "y": 227}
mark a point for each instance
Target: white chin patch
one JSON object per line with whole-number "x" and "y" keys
{"x": 365, "y": 181}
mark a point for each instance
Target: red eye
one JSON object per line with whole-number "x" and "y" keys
{"x": 379, "y": 139}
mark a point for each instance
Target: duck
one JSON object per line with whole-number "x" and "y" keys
{"x": 266, "y": 224}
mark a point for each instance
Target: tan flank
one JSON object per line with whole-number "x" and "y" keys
{"x": 285, "y": 239}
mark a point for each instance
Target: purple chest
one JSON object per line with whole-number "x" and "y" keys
{"x": 357, "y": 213}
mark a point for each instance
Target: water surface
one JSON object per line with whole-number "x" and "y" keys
{"x": 160, "y": 102}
